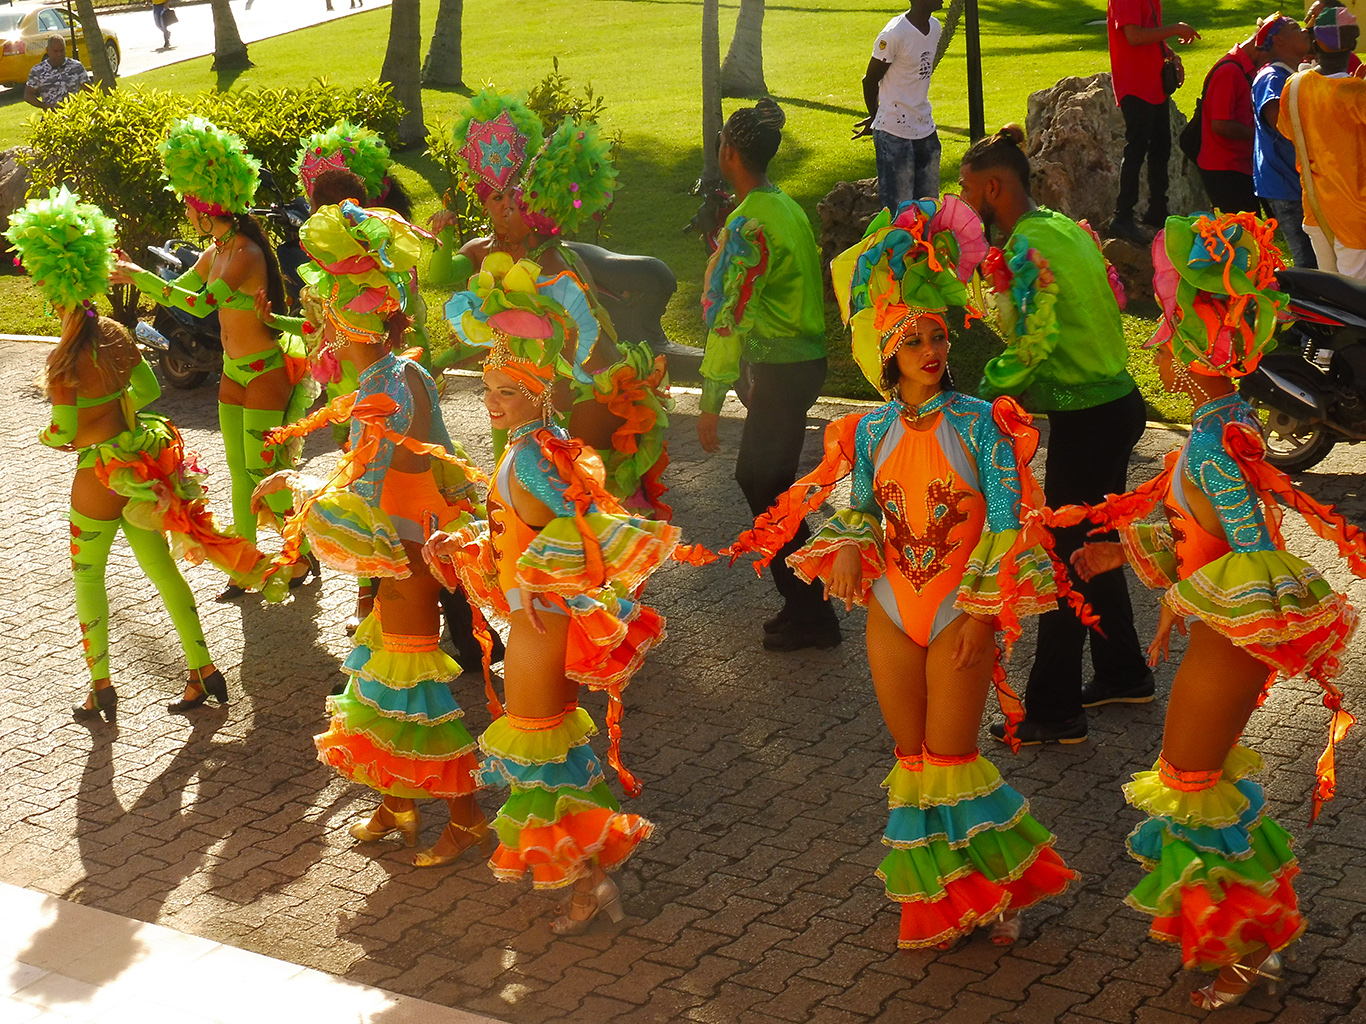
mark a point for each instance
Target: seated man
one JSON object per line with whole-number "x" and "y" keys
{"x": 55, "y": 77}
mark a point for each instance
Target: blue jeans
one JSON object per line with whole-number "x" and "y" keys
{"x": 1289, "y": 214}
{"x": 906, "y": 168}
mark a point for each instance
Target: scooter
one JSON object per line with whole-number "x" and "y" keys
{"x": 1310, "y": 391}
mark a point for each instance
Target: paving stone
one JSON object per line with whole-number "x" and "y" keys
{"x": 755, "y": 902}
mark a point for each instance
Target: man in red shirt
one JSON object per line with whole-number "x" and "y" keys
{"x": 1228, "y": 129}
{"x": 1138, "y": 49}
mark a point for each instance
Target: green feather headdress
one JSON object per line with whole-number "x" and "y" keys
{"x": 354, "y": 147}
{"x": 66, "y": 246}
{"x": 210, "y": 167}
{"x": 570, "y": 180}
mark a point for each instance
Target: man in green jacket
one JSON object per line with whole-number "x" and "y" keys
{"x": 765, "y": 312}
{"x": 1065, "y": 356}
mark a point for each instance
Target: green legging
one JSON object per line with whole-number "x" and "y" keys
{"x": 250, "y": 461}
{"x": 91, "y": 540}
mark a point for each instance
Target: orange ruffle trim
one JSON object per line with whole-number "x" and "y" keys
{"x": 558, "y": 855}
{"x": 360, "y": 760}
{"x": 1214, "y": 933}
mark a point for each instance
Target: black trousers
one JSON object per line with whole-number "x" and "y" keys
{"x": 778, "y": 397}
{"x": 1147, "y": 136}
{"x": 1088, "y": 457}
{"x": 1230, "y": 191}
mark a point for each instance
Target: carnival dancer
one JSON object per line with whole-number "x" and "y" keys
{"x": 132, "y": 470}
{"x": 562, "y": 563}
{"x": 537, "y": 195}
{"x": 396, "y": 727}
{"x": 762, "y": 300}
{"x": 961, "y": 557}
{"x": 351, "y": 162}
{"x": 1059, "y": 302}
{"x": 265, "y": 381}
{"x": 1220, "y": 870}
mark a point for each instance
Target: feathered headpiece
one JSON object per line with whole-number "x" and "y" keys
{"x": 210, "y": 167}
{"x": 569, "y": 181}
{"x": 495, "y": 136}
{"x": 362, "y": 263}
{"x": 345, "y": 145}
{"x": 66, "y": 246}
{"x": 1215, "y": 279}
{"x": 523, "y": 328}
{"x": 916, "y": 264}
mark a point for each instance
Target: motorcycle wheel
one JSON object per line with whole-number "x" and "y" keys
{"x": 1292, "y": 445}
{"x": 179, "y": 374}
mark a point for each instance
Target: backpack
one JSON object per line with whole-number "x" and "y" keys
{"x": 1192, "y": 135}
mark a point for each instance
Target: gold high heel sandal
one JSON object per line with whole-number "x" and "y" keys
{"x": 405, "y": 822}
{"x": 1212, "y": 997}
{"x": 465, "y": 836}
{"x": 605, "y": 899}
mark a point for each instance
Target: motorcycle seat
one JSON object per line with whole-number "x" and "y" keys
{"x": 1333, "y": 289}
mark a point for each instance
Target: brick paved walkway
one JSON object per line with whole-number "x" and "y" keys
{"x": 757, "y": 900}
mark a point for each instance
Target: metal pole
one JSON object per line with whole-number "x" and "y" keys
{"x": 72, "y": 22}
{"x": 977, "y": 118}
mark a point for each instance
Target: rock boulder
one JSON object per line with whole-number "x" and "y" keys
{"x": 13, "y": 192}
{"x": 1075, "y": 142}
{"x": 845, "y": 214}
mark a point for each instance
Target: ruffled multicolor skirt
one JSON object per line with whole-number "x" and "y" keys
{"x": 559, "y": 816}
{"x": 1219, "y": 870}
{"x": 148, "y": 465}
{"x": 964, "y": 848}
{"x": 396, "y": 728}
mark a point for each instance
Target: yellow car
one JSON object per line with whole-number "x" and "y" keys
{"x": 25, "y": 30}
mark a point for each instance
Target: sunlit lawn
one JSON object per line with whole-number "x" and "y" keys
{"x": 643, "y": 56}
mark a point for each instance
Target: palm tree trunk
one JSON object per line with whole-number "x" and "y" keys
{"x": 711, "y": 90}
{"x": 951, "y": 19}
{"x": 98, "y": 57}
{"x": 443, "y": 65}
{"x": 228, "y": 49}
{"x": 742, "y": 74}
{"x": 403, "y": 65}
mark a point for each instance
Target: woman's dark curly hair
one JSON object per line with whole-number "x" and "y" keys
{"x": 755, "y": 132}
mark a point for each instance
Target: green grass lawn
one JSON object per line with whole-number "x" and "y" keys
{"x": 643, "y": 56}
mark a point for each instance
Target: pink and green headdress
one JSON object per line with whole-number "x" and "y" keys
{"x": 66, "y": 246}
{"x": 362, "y": 266}
{"x": 496, "y": 136}
{"x": 349, "y": 146}
{"x": 1215, "y": 279}
{"x": 570, "y": 181}
{"x": 906, "y": 268}
{"x": 209, "y": 167}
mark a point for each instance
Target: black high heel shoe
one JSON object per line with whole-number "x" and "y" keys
{"x": 211, "y": 685}
{"x": 314, "y": 572}
{"x": 106, "y": 702}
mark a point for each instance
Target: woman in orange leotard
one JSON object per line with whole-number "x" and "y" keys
{"x": 953, "y": 565}
{"x": 1220, "y": 870}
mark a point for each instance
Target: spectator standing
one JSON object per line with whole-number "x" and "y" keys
{"x": 896, "y": 91}
{"x": 1138, "y": 53}
{"x": 55, "y": 77}
{"x": 1228, "y": 130}
{"x": 765, "y": 313}
{"x": 163, "y": 19}
{"x": 1330, "y": 108}
{"x": 1066, "y": 358}
{"x": 1273, "y": 156}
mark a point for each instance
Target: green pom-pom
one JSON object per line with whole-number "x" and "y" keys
{"x": 204, "y": 161}
{"x": 571, "y": 180}
{"x": 486, "y": 105}
{"x": 362, "y": 151}
{"x": 65, "y": 245}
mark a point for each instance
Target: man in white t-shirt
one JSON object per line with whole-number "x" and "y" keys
{"x": 896, "y": 91}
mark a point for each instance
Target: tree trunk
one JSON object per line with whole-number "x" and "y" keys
{"x": 711, "y": 90}
{"x": 443, "y": 65}
{"x": 402, "y": 67}
{"x": 742, "y": 74}
{"x": 229, "y": 52}
{"x": 951, "y": 19}
{"x": 98, "y": 58}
